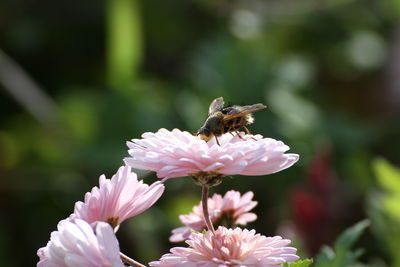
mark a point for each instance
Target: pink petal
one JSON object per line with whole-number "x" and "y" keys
{"x": 176, "y": 153}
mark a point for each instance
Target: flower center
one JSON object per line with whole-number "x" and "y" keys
{"x": 113, "y": 221}
{"x": 227, "y": 248}
{"x": 226, "y": 219}
{"x": 207, "y": 178}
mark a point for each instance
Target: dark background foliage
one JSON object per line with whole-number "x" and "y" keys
{"x": 80, "y": 78}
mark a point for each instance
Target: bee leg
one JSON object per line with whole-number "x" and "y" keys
{"x": 238, "y": 134}
{"x": 248, "y": 132}
{"x": 216, "y": 139}
{"x": 230, "y": 131}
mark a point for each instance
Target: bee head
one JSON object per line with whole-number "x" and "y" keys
{"x": 204, "y": 133}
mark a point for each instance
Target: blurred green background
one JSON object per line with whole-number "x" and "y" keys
{"x": 80, "y": 78}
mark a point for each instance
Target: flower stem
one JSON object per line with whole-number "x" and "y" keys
{"x": 130, "y": 261}
{"x": 204, "y": 201}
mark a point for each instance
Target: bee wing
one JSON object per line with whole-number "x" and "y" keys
{"x": 216, "y": 105}
{"x": 237, "y": 111}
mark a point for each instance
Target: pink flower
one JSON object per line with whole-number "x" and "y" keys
{"x": 76, "y": 244}
{"x": 117, "y": 199}
{"x": 176, "y": 153}
{"x": 232, "y": 207}
{"x": 228, "y": 248}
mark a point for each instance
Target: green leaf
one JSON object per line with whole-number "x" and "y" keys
{"x": 388, "y": 178}
{"x": 299, "y": 263}
{"x": 341, "y": 254}
{"x": 391, "y": 206}
{"x": 350, "y": 235}
{"x": 325, "y": 255}
{"x": 388, "y": 175}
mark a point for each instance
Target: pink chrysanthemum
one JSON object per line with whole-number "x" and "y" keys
{"x": 229, "y": 248}
{"x": 117, "y": 199}
{"x": 232, "y": 208}
{"x": 76, "y": 244}
{"x": 176, "y": 153}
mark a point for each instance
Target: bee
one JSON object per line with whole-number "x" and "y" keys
{"x": 227, "y": 119}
